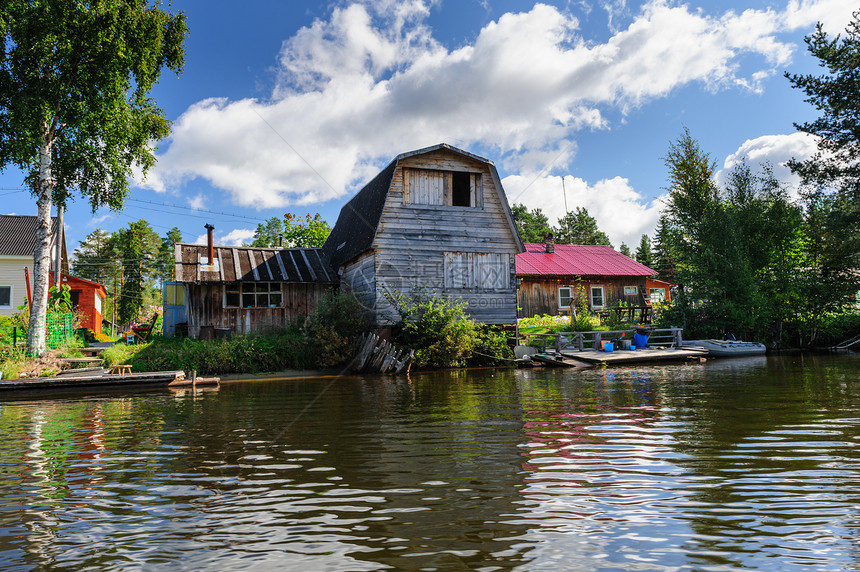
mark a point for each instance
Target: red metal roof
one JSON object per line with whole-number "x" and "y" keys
{"x": 577, "y": 260}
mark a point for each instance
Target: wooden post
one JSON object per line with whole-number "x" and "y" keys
{"x": 193, "y": 378}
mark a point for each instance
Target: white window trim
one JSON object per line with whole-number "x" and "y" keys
{"x": 569, "y": 297}
{"x": 602, "y": 296}
{"x": 11, "y": 296}
{"x": 634, "y": 289}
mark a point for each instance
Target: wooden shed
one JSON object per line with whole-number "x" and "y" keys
{"x": 244, "y": 289}
{"x": 436, "y": 219}
{"x": 87, "y": 299}
{"x": 552, "y": 276}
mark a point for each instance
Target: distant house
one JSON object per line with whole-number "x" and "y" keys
{"x": 436, "y": 219}
{"x": 551, "y": 276}
{"x": 17, "y": 249}
{"x": 244, "y": 289}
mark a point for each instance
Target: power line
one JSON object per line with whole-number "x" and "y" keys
{"x": 183, "y": 207}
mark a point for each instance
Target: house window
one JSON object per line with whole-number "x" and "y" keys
{"x": 564, "y": 296}
{"x": 657, "y": 295}
{"x": 451, "y": 188}
{"x": 597, "y": 297}
{"x": 630, "y": 290}
{"x": 5, "y": 296}
{"x": 253, "y": 295}
{"x": 483, "y": 271}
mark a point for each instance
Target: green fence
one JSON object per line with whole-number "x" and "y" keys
{"x": 60, "y": 330}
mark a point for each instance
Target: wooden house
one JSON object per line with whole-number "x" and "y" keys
{"x": 17, "y": 249}
{"x": 436, "y": 219}
{"x": 87, "y": 299}
{"x": 240, "y": 290}
{"x": 553, "y": 275}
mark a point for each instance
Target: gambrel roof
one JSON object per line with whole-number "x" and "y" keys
{"x": 357, "y": 223}
{"x": 249, "y": 264}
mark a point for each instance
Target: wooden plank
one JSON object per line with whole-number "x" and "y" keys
{"x": 308, "y": 264}
{"x": 283, "y": 269}
{"x": 296, "y": 266}
{"x": 236, "y": 266}
{"x": 220, "y": 265}
{"x": 253, "y": 261}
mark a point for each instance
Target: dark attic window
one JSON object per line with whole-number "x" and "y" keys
{"x": 461, "y": 193}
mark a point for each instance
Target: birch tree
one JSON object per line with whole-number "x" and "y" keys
{"x": 75, "y": 111}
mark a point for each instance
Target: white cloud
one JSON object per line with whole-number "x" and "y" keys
{"x": 621, "y": 212}
{"x": 197, "y": 202}
{"x": 371, "y": 81}
{"x": 775, "y": 150}
{"x": 97, "y": 220}
{"x": 233, "y": 238}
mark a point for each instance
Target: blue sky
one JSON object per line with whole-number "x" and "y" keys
{"x": 293, "y": 106}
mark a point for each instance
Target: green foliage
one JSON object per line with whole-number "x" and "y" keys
{"x": 532, "y": 225}
{"x": 268, "y": 234}
{"x": 625, "y": 250}
{"x": 435, "y": 327}
{"x": 643, "y": 252}
{"x": 60, "y": 300}
{"x": 491, "y": 341}
{"x": 834, "y": 95}
{"x": 138, "y": 246}
{"x": 75, "y": 111}
{"x": 335, "y": 327}
{"x": 579, "y": 227}
{"x": 310, "y": 233}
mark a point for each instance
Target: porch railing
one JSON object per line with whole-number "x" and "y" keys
{"x": 581, "y": 341}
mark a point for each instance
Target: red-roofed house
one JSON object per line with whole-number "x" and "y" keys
{"x": 550, "y": 274}
{"x": 87, "y": 299}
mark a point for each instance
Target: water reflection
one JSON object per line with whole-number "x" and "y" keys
{"x": 745, "y": 464}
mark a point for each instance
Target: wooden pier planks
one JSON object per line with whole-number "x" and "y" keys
{"x": 95, "y": 380}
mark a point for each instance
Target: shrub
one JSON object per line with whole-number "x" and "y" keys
{"x": 335, "y": 327}
{"x": 491, "y": 341}
{"x": 436, "y": 328}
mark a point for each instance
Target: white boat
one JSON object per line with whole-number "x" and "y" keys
{"x": 728, "y": 348}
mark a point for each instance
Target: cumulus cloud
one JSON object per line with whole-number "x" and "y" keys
{"x": 371, "y": 81}
{"x": 235, "y": 237}
{"x": 621, "y": 212}
{"x": 774, "y": 150}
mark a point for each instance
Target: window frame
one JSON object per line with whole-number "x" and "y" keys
{"x": 628, "y": 292}
{"x": 569, "y": 297}
{"x": 651, "y": 292}
{"x": 253, "y": 292}
{"x": 446, "y": 194}
{"x": 591, "y": 290}
{"x": 477, "y": 271}
{"x": 11, "y": 296}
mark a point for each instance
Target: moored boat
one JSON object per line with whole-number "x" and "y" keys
{"x": 728, "y": 348}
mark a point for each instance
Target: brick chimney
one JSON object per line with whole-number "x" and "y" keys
{"x": 548, "y": 241}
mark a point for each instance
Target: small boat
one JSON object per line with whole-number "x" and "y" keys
{"x": 728, "y": 348}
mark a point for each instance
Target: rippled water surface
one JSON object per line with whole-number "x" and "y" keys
{"x": 748, "y": 464}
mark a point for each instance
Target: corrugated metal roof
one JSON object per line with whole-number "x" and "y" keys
{"x": 577, "y": 260}
{"x": 18, "y": 234}
{"x": 248, "y": 264}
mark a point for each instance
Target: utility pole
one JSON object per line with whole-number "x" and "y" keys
{"x": 564, "y": 192}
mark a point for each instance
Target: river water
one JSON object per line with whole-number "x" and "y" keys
{"x": 746, "y": 464}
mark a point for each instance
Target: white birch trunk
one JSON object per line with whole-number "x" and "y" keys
{"x": 36, "y": 329}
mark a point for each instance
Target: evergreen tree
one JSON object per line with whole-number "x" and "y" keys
{"x": 138, "y": 247}
{"x": 533, "y": 226}
{"x": 579, "y": 227}
{"x": 268, "y": 234}
{"x": 166, "y": 259}
{"x": 94, "y": 258}
{"x": 625, "y": 250}
{"x": 643, "y": 253}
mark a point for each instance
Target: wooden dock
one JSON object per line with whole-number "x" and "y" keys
{"x": 95, "y": 380}
{"x": 624, "y": 357}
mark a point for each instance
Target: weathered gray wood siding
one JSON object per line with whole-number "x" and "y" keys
{"x": 539, "y": 295}
{"x": 206, "y": 308}
{"x": 412, "y": 239}
{"x": 360, "y": 276}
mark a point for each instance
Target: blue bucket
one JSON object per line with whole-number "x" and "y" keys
{"x": 640, "y": 340}
{"x": 608, "y": 346}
